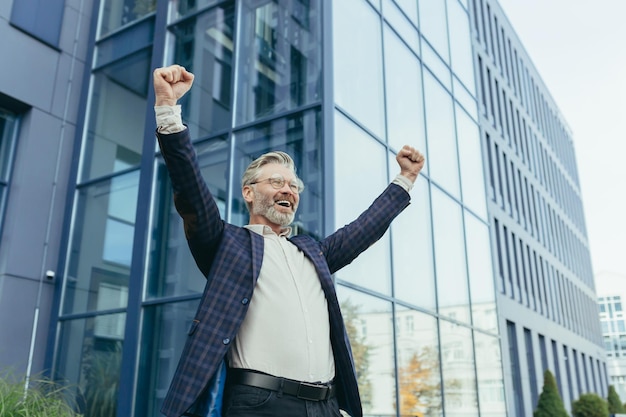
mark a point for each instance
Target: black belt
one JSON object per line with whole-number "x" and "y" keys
{"x": 304, "y": 390}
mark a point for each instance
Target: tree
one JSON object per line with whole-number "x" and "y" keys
{"x": 360, "y": 349}
{"x": 615, "y": 403}
{"x": 419, "y": 384}
{"x": 590, "y": 405}
{"x": 550, "y": 403}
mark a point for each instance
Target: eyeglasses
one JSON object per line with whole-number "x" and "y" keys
{"x": 277, "y": 181}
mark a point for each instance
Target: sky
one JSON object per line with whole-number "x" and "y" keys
{"x": 577, "y": 46}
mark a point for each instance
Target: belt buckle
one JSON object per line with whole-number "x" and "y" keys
{"x": 311, "y": 392}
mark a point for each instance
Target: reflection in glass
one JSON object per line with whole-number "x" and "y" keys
{"x": 411, "y": 238}
{"x": 187, "y": 7}
{"x": 101, "y": 247}
{"x": 7, "y": 143}
{"x": 434, "y": 26}
{"x": 457, "y": 367}
{"x": 442, "y": 157}
{"x": 358, "y": 67}
{"x": 368, "y": 323}
{"x": 471, "y": 159}
{"x": 410, "y": 9}
{"x": 419, "y": 379}
{"x": 7, "y": 126}
{"x": 300, "y": 136}
{"x": 452, "y": 291}
{"x": 481, "y": 279}
{"x": 117, "y": 116}
{"x": 90, "y": 359}
{"x": 360, "y": 176}
{"x": 401, "y": 25}
{"x": 172, "y": 269}
{"x": 204, "y": 45}
{"x": 280, "y": 57}
{"x": 164, "y": 334}
{"x": 403, "y": 82}
{"x": 117, "y": 13}
{"x": 489, "y": 373}
{"x": 461, "y": 45}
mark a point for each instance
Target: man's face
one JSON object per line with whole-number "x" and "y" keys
{"x": 269, "y": 204}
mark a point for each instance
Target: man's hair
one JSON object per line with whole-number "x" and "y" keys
{"x": 252, "y": 173}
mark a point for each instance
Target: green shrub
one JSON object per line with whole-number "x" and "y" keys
{"x": 590, "y": 405}
{"x": 615, "y": 403}
{"x": 44, "y": 398}
{"x": 550, "y": 403}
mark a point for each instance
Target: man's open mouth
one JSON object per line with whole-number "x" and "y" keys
{"x": 283, "y": 203}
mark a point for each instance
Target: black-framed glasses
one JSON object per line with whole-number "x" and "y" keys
{"x": 277, "y": 181}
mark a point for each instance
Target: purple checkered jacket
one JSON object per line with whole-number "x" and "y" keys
{"x": 231, "y": 256}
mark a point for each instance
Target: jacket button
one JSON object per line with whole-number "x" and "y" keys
{"x": 244, "y": 301}
{"x": 226, "y": 341}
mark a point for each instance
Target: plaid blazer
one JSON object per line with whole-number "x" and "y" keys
{"x": 231, "y": 256}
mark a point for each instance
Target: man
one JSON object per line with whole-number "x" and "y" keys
{"x": 269, "y": 308}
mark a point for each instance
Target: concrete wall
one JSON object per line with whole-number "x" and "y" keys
{"x": 47, "y": 81}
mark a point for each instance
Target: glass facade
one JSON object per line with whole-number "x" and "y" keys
{"x": 419, "y": 306}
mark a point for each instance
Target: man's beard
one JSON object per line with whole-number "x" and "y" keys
{"x": 264, "y": 206}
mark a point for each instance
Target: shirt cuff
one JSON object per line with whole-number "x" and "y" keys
{"x": 169, "y": 119}
{"x": 403, "y": 182}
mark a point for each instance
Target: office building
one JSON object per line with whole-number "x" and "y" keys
{"x": 611, "y": 288}
{"x": 104, "y": 271}
{"x": 546, "y": 296}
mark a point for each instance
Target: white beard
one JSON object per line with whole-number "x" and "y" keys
{"x": 264, "y": 206}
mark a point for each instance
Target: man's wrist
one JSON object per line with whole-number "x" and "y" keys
{"x": 403, "y": 182}
{"x": 169, "y": 119}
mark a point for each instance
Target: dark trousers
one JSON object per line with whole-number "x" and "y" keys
{"x": 243, "y": 400}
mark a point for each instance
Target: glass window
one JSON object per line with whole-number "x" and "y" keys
{"x": 164, "y": 334}
{"x": 442, "y": 157}
{"x": 299, "y": 135}
{"x": 400, "y": 24}
{"x": 115, "y": 13}
{"x": 172, "y": 269}
{"x": 280, "y": 57}
{"x": 8, "y": 125}
{"x": 461, "y": 45}
{"x": 471, "y": 164}
{"x": 489, "y": 374}
{"x": 419, "y": 379}
{"x": 450, "y": 257}
{"x": 369, "y": 324}
{"x": 413, "y": 266}
{"x": 409, "y": 7}
{"x": 480, "y": 271}
{"x": 41, "y": 19}
{"x": 101, "y": 246}
{"x": 187, "y": 7}
{"x": 204, "y": 46}
{"x": 358, "y": 69}
{"x": 90, "y": 359}
{"x": 434, "y": 26}
{"x": 405, "y": 108}
{"x": 360, "y": 176}
{"x": 457, "y": 368}
{"x": 117, "y": 116}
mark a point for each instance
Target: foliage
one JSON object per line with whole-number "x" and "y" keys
{"x": 550, "y": 403}
{"x": 615, "y": 403}
{"x": 360, "y": 350}
{"x": 590, "y": 405}
{"x": 43, "y": 398}
{"x": 102, "y": 373}
{"x": 419, "y": 385}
